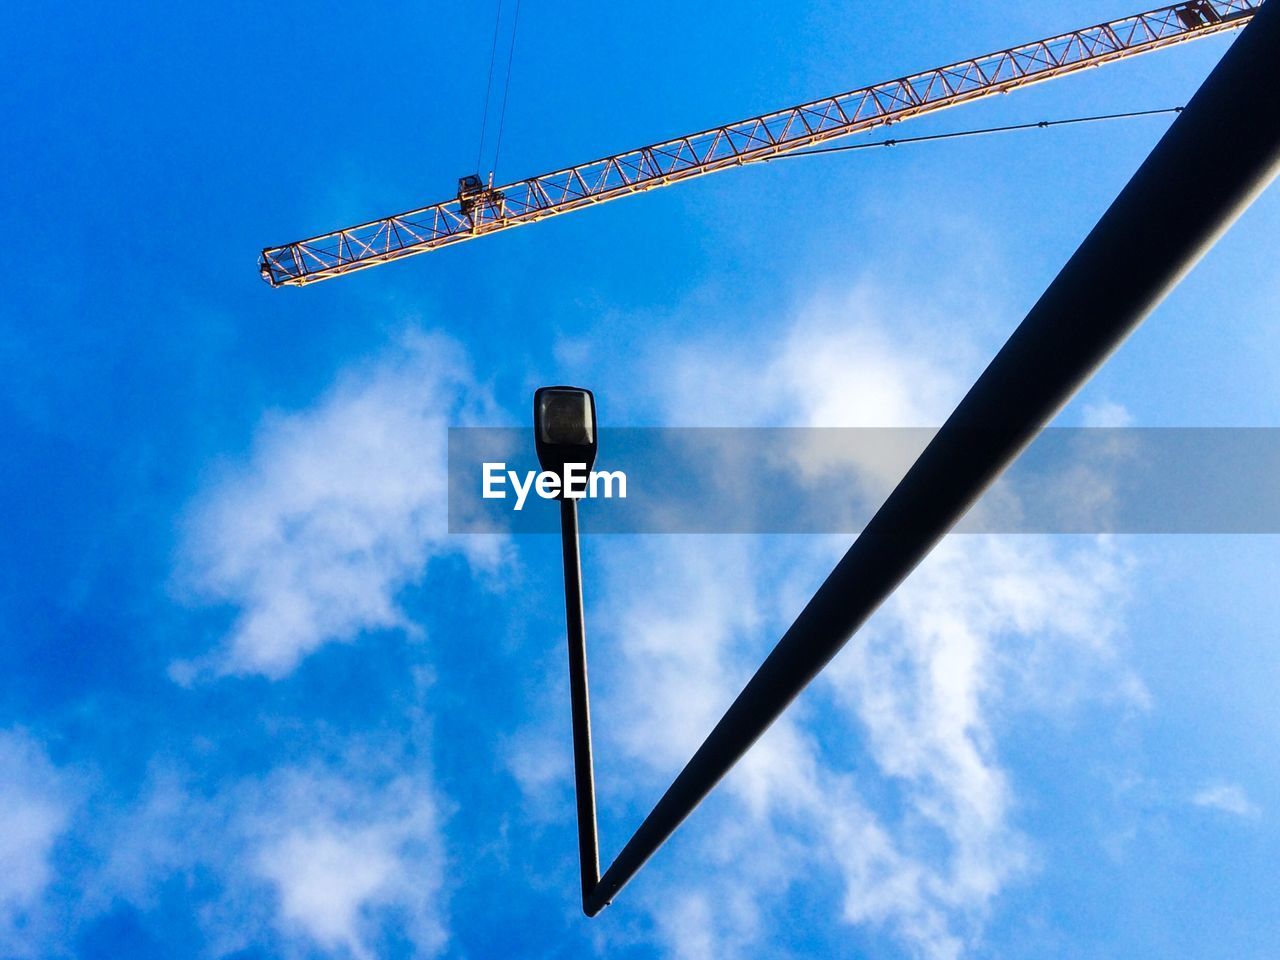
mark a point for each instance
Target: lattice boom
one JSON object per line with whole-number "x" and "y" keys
{"x": 526, "y": 201}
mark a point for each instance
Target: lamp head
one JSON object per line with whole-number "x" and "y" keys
{"x": 564, "y": 427}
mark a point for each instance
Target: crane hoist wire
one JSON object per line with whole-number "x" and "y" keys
{"x": 488, "y": 90}
{"x": 488, "y": 86}
{"x": 506, "y": 87}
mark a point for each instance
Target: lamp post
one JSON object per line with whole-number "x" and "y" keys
{"x": 564, "y": 429}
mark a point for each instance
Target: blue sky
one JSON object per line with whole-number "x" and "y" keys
{"x": 259, "y": 704}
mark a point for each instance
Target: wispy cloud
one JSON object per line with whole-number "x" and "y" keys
{"x": 984, "y": 624}
{"x": 1105, "y": 414}
{"x": 854, "y": 358}
{"x": 334, "y": 857}
{"x": 338, "y": 508}
{"x": 340, "y": 862}
{"x": 1227, "y": 798}
{"x": 34, "y": 812}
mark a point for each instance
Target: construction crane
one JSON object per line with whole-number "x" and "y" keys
{"x": 480, "y": 209}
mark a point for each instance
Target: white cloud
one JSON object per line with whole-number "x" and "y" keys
{"x": 1228, "y": 798}
{"x": 985, "y": 624}
{"x": 338, "y": 508}
{"x": 1106, "y": 414}
{"x": 682, "y": 628}
{"x": 847, "y": 360}
{"x": 331, "y": 857}
{"x": 541, "y": 762}
{"x": 339, "y": 861}
{"x": 34, "y": 812}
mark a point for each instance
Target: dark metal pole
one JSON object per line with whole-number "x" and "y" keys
{"x": 1213, "y": 161}
{"x": 584, "y": 779}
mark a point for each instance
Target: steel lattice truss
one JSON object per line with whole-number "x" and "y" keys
{"x": 485, "y": 211}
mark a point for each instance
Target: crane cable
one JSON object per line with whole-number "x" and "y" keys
{"x": 506, "y": 89}
{"x": 1040, "y": 124}
{"x": 488, "y": 86}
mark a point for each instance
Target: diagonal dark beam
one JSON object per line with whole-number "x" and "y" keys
{"x": 1210, "y": 165}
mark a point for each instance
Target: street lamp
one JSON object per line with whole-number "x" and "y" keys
{"x": 564, "y": 427}
{"x": 564, "y": 432}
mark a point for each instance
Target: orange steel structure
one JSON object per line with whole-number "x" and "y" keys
{"x": 481, "y": 209}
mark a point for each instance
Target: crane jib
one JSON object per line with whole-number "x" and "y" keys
{"x": 478, "y": 209}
